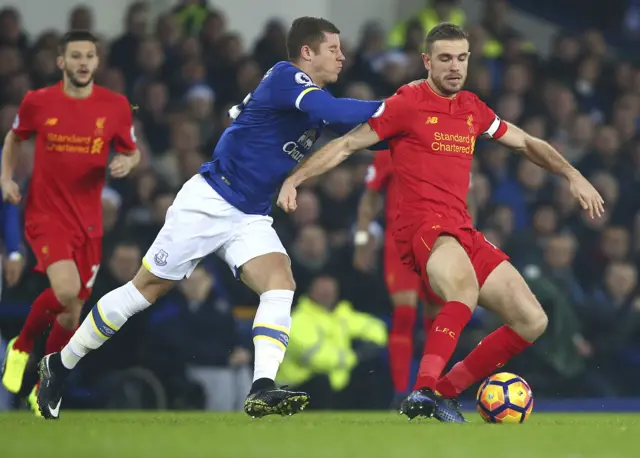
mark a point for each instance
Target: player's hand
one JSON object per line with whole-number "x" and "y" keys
{"x": 590, "y": 199}
{"x": 13, "y": 269}
{"x": 239, "y": 357}
{"x": 287, "y": 197}
{"x": 121, "y": 166}
{"x": 363, "y": 259}
{"x": 11, "y": 191}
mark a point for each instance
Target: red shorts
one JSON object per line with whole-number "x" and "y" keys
{"x": 51, "y": 245}
{"x": 398, "y": 276}
{"x": 414, "y": 247}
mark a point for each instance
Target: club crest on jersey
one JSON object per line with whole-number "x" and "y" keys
{"x": 161, "y": 258}
{"x": 472, "y": 129}
{"x": 100, "y": 127}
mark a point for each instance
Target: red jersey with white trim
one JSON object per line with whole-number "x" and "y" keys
{"x": 380, "y": 179}
{"x": 72, "y": 145}
{"x": 432, "y": 140}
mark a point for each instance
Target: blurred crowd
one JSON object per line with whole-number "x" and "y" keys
{"x": 185, "y": 69}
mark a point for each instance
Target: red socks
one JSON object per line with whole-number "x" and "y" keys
{"x": 401, "y": 346}
{"x": 58, "y": 338}
{"x": 491, "y": 353}
{"x": 441, "y": 342}
{"x": 43, "y": 311}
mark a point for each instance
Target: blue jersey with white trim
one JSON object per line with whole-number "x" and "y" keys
{"x": 273, "y": 129}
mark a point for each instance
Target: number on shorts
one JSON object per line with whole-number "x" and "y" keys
{"x": 94, "y": 274}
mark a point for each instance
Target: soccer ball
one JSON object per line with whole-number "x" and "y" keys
{"x": 505, "y": 398}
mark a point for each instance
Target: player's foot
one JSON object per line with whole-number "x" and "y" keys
{"x": 32, "y": 401}
{"x": 52, "y": 377}
{"x": 420, "y": 403}
{"x": 448, "y": 410}
{"x": 275, "y": 401}
{"x": 15, "y": 362}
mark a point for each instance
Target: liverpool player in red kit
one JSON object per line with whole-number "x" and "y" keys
{"x": 75, "y": 124}
{"x": 432, "y": 127}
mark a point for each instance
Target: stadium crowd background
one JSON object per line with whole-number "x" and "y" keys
{"x": 185, "y": 70}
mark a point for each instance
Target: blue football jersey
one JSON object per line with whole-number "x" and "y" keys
{"x": 273, "y": 129}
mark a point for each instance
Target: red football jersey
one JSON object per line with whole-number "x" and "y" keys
{"x": 432, "y": 140}
{"x": 73, "y": 141}
{"x": 380, "y": 179}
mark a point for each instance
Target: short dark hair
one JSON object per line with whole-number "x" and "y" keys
{"x": 307, "y": 31}
{"x": 75, "y": 35}
{"x": 445, "y": 31}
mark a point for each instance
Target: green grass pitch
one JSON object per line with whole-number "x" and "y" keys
{"x": 313, "y": 435}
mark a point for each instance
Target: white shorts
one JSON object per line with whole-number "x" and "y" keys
{"x": 201, "y": 222}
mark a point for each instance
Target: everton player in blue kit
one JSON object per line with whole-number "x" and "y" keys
{"x": 224, "y": 210}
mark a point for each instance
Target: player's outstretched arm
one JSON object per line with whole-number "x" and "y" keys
{"x": 546, "y": 156}
{"x": 326, "y": 158}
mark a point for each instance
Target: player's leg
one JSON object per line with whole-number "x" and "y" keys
{"x": 189, "y": 233}
{"x": 402, "y": 284}
{"x": 54, "y": 251}
{"x": 451, "y": 278}
{"x": 403, "y": 321}
{"x": 506, "y": 293}
{"x": 105, "y": 319}
{"x": 261, "y": 262}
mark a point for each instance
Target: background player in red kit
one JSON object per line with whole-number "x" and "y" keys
{"x": 432, "y": 127}
{"x": 403, "y": 284}
{"x": 75, "y": 124}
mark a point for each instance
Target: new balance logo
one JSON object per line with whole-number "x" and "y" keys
{"x": 432, "y": 120}
{"x": 51, "y": 122}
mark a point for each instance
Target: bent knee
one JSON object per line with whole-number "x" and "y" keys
{"x": 268, "y": 272}
{"x": 532, "y": 321}
{"x": 538, "y": 322}
{"x": 67, "y": 292}
{"x": 282, "y": 279}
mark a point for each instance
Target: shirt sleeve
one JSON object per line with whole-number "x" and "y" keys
{"x": 391, "y": 119}
{"x": 491, "y": 126}
{"x": 378, "y": 173}
{"x": 125, "y": 137}
{"x": 294, "y": 88}
{"x": 24, "y": 124}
